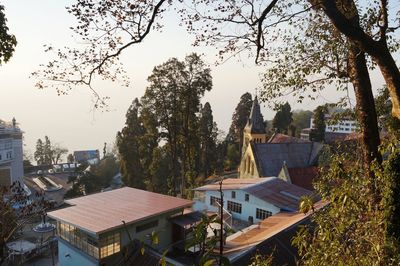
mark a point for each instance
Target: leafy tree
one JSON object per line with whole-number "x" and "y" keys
{"x": 70, "y": 158}
{"x": 318, "y": 132}
{"x": 158, "y": 171}
{"x": 383, "y": 108}
{"x": 301, "y": 120}
{"x": 239, "y": 119}
{"x": 350, "y": 230}
{"x": 104, "y": 171}
{"x": 47, "y": 150}
{"x": 283, "y": 118}
{"x": 39, "y": 153}
{"x": 173, "y": 96}
{"x": 208, "y": 137}
{"x": 57, "y": 152}
{"x": 7, "y": 40}
{"x": 232, "y": 157}
{"x": 128, "y": 142}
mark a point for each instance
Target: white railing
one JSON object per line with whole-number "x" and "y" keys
{"x": 224, "y": 211}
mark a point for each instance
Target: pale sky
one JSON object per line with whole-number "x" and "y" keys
{"x": 70, "y": 120}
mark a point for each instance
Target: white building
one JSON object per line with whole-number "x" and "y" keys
{"x": 252, "y": 199}
{"x": 11, "y": 155}
{"x": 341, "y": 126}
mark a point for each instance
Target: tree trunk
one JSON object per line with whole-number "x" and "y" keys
{"x": 391, "y": 74}
{"x": 345, "y": 17}
{"x": 366, "y": 112}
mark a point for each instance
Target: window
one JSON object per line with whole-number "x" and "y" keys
{"x": 246, "y": 197}
{"x": 146, "y": 226}
{"x": 234, "y": 207}
{"x": 214, "y": 201}
{"x": 78, "y": 239}
{"x": 233, "y": 194}
{"x": 110, "y": 245}
{"x": 262, "y": 214}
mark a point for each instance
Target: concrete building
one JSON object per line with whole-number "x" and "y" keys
{"x": 87, "y": 156}
{"x": 11, "y": 154}
{"x": 250, "y": 200}
{"x": 99, "y": 229}
{"x": 334, "y": 130}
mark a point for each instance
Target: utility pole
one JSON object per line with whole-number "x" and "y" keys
{"x": 221, "y": 214}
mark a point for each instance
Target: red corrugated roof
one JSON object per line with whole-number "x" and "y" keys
{"x": 282, "y": 138}
{"x": 279, "y": 193}
{"x": 303, "y": 176}
{"x": 232, "y": 183}
{"x": 101, "y": 212}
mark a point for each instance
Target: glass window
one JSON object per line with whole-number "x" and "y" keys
{"x": 110, "y": 245}
{"x": 246, "y": 197}
{"x": 214, "y": 200}
{"x": 78, "y": 239}
{"x": 234, "y": 207}
{"x": 262, "y": 214}
{"x": 233, "y": 194}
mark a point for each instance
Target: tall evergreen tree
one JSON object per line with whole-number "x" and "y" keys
{"x": 128, "y": 141}
{"x": 47, "y": 150}
{"x": 318, "y": 132}
{"x": 283, "y": 118}
{"x": 239, "y": 119}
{"x": 173, "y": 95}
{"x": 158, "y": 171}
{"x": 208, "y": 137}
{"x": 39, "y": 153}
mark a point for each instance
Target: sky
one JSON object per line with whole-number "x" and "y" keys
{"x": 70, "y": 120}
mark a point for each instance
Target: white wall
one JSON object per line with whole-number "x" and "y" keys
{"x": 342, "y": 126}
{"x": 70, "y": 256}
{"x": 248, "y": 208}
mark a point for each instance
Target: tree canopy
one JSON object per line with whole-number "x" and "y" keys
{"x": 7, "y": 40}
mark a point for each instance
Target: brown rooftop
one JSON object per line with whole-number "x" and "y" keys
{"x": 266, "y": 229}
{"x": 303, "y": 176}
{"x": 279, "y": 193}
{"x": 233, "y": 183}
{"x": 101, "y": 212}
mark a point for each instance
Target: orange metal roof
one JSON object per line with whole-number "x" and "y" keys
{"x": 266, "y": 229}
{"x": 104, "y": 211}
{"x": 233, "y": 183}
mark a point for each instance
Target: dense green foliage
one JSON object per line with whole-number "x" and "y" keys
{"x": 353, "y": 229}
{"x": 91, "y": 179}
{"x": 383, "y": 107}
{"x": 169, "y": 142}
{"x": 318, "y": 131}
{"x": 128, "y": 142}
{"x": 301, "y": 120}
{"x": 7, "y": 40}
{"x": 283, "y": 118}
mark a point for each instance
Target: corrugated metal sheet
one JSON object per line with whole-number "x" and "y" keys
{"x": 101, "y": 212}
{"x": 232, "y": 184}
{"x": 303, "y": 177}
{"x": 282, "y": 138}
{"x": 279, "y": 193}
{"x": 271, "y": 156}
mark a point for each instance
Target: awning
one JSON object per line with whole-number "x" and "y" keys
{"x": 187, "y": 219}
